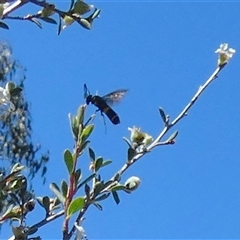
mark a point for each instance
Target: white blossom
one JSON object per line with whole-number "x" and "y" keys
{"x": 225, "y": 53}
{"x": 80, "y": 233}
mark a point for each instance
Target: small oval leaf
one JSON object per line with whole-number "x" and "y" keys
{"x": 105, "y": 163}
{"x": 34, "y": 20}
{"x": 172, "y": 137}
{"x": 64, "y": 187}
{"x": 68, "y": 158}
{"x": 91, "y": 154}
{"x": 85, "y": 23}
{"x": 102, "y": 197}
{"x": 98, "y": 163}
{"x": 115, "y": 197}
{"x": 98, "y": 206}
{"x": 4, "y": 25}
{"x": 86, "y": 132}
{"x": 76, "y": 205}
{"x": 131, "y": 153}
{"x": 49, "y": 20}
{"x": 86, "y": 180}
{"x": 163, "y": 115}
{"x": 55, "y": 189}
{"x": 78, "y": 175}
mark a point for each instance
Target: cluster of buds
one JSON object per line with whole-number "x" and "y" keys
{"x": 139, "y": 138}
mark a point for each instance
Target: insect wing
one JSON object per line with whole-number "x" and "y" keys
{"x": 114, "y": 97}
{"x": 86, "y": 91}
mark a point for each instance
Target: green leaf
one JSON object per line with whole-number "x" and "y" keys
{"x": 81, "y": 7}
{"x": 98, "y": 206}
{"x": 102, "y": 197}
{"x": 80, "y": 114}
{"x": 163, "y": 115}
{"x": 84, "y": 145}
{"x": 117, "y": 177}
{"x": 71, "y": 5}
{"x": 85, "y": 23}
{"x": 115, "y": 197}
{"x": 131, "y": 153}
{"x": 34, "y": 20}
{"x": 127, "y": 141}
{"x": 4, "y": 25}
{"x": 68, "y": 158}
{"x": 94, "y": 15}
{"x": 105, "y": 163}
{"x": 87, "y": 190}
{"x": 46, "y": 203}
{"x": 78, "y": 175}
{"x": 86, "y": 180}
{"x": 172, "y": 137}
{"x": 98, "y": 163}
{"x": 32, "y": 230}
{"x": 98, "y": 187}
{"x": 91, "y": 154}
{"x": 59, "y": 25}
{"x": 86, "y": 132}
{"x": 49, "y": 20}
{"x": 15, "y": 91}
{"x": 55, "y": 189}
{"x": 76, "y": 205}
{"x": 64, "y": 187}
{"x": 74, "y": 128}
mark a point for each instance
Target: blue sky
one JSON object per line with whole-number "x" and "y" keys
{"x": 162, "y": 52}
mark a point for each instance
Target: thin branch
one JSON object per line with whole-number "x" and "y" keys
{"x": 183, "y": 113}
{"x": 13, "y": 7}
{"x": 43, "y": 222}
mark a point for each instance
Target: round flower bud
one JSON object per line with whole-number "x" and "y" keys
{"x": 132, "y": 183}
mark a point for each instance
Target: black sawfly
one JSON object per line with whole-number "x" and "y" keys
{"x": 102, "y": 103}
